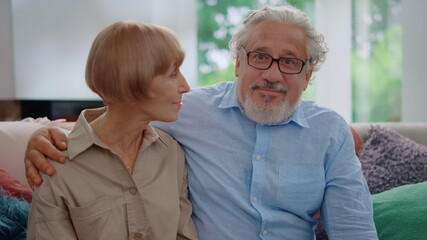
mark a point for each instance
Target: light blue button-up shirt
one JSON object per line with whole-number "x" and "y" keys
{"x": 252, "y": 181}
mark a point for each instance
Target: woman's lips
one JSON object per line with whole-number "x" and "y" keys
{"x": 177, "y": 103}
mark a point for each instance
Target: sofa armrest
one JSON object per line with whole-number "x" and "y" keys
{"x": 14, "y": 136}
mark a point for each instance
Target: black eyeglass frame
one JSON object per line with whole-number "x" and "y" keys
{"x": 274, "y": 60}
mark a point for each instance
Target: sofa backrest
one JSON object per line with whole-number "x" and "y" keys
{"x": 13, "y": 142}
{"x": 412, "y": 130}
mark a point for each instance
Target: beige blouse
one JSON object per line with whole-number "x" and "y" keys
{"x": 93, "y": 196}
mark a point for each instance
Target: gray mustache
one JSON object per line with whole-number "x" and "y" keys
{"x": 274, "y": 86}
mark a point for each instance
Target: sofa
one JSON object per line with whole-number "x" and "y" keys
{"x": 416, "y": 131}
{"x": 393, "y": 158}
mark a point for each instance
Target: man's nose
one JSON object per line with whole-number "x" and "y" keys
{"x": 273, "y": 73}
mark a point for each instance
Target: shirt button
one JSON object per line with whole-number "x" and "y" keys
{"x": 254, "y": 199}
{"x": 258, "y": 157}
{"x": 137, "y": 236}
{"x": 133, "y": 191}
{"x": 264, "y": 233}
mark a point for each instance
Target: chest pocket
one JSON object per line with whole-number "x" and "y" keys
{"x": 300, "y": 186}
{"x": 97, "y": 220}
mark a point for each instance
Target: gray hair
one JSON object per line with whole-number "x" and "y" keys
{"x": 315, "y": 45}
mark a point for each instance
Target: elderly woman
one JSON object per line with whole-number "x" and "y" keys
{"x": 123, "y": 178}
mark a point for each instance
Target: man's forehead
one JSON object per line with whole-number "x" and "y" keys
{"x": 281, "y": 52}
{"x": 277, "y": 28}
{"x": 277, "y": 38}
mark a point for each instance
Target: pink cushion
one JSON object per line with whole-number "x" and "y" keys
{"x": 358, "y": 142}
{"x": 16, "y": 189}
{"x": 14, "y": 136}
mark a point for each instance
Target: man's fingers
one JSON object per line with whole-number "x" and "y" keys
{"x": 58, "y": 137}
{"x": 39, "y": 161}
{"x": 33, "y": 177}
{"x": 43, "y": 146}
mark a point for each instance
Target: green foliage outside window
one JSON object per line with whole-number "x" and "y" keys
{"x": 218, "y": 20}
{"x": 376, "y": 60}
{"x": 376, "y": 52}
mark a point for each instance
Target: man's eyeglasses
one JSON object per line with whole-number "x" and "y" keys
{"x": 264, "y": 61}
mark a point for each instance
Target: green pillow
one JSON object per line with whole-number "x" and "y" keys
{"x": 401, "y": 213}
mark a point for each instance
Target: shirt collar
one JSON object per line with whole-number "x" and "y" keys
{"x": 82, "y": 136}
{"x": 297, "y": 117}
{"x": 231, "y": 100}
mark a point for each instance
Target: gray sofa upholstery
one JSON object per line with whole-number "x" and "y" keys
{"x": 416, "y": 131}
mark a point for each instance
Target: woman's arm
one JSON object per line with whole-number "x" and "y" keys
{"x": 49, "y": 217}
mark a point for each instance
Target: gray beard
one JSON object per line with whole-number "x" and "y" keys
{"x": 267, "y": 115}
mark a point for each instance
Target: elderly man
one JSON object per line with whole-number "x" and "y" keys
{"x": 261, "y": 160}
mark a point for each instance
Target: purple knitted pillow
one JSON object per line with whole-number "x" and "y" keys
{"x": 390, "y": 160}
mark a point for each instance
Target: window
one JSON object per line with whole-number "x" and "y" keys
{"x": 218, "y": 20}
{"x": 372, "y": 38}
{"x": 376, "y": 60}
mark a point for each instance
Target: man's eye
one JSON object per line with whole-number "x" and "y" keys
{"x": 259, "y": 57}
{"x": 288, "y": 61}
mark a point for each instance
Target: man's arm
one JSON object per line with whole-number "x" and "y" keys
{"x": 48, "y": 141}
{"x": 347, "y": 211}
{"x": 186, "y": 227}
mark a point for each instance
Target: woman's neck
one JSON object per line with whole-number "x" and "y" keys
{"x": 123, "y": 135}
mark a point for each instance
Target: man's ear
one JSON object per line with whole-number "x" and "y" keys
{"x": 308, "y": 75}
{"x": 236, "y": 68}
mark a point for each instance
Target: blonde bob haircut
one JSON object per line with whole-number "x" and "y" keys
{"x": 126, "y": 56}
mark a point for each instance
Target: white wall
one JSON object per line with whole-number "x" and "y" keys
{"x": 181, "y": 15}
{"x": 414, "y": 83}
{"x": 7, "y": 86}
{"x": 51, "y": 40}
{"x": 333, "y": 81}
{"x": 41, "y": 29}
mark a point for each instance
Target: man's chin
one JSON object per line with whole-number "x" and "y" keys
{"x": 270, "y": 103}
{"x": 268, "y": 113}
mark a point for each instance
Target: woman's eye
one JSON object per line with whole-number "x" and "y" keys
{"x": 174, "y": 73}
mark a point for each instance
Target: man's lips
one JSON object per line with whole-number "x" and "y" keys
{"x": 270, "y": 91}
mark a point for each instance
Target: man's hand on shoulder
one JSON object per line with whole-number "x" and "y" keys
{"x": 47, "y": 142}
